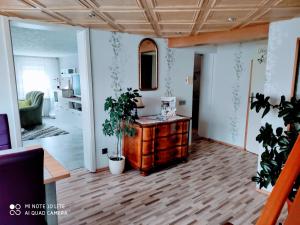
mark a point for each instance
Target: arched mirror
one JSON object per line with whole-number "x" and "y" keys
{"x": 148, "y": 55}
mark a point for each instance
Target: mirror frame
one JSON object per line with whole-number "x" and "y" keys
{"x": 140, "y": 75}
{"x": 296, "y": 77}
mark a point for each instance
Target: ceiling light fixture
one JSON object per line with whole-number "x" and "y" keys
{"x": 231, "y": 19}
{"x": 92, "y": 14}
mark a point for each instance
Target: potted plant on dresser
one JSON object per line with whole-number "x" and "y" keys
{"x": 277, "y": 145}
{"x": 121, "y": 117}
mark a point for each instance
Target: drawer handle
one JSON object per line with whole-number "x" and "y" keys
{"x": 175, "y": 139}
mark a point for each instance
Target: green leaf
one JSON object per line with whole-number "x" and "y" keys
{"x": 255, "y": 179}
{"x": 282, "y": 99}
{"x": 279, "y": 131}
{"x": 253, "y": 105}
{"x": 266, "y": 167}
{"x": 283, "y": 141}
{"x": 267, "y": 109}
{"x": 120, "y": 115}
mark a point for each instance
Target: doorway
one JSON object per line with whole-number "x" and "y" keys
{"x": 48, "y": 89}
{"x": 51, "y": 78}
{"x": 196, "y": 94}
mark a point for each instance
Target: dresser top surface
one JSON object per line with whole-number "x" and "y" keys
{"x": 152, "y": 120}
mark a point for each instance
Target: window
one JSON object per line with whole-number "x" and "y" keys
{"x": 36, "y": 74}
{"x": 35, "y": 79}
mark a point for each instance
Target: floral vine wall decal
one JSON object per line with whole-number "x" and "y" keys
{"x": 236, "y": 99}
{"x": 170, "y": 59}
{"x": 276, "y": 39}
{"x": 115, "y": 41}
{"x": 262, "y": 55}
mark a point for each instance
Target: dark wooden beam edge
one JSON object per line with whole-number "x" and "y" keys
{"x": 250, "y": 33}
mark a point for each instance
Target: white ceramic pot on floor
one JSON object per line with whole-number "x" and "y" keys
{"x": 116, "y": 167}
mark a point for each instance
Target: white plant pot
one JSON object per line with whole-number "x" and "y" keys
{"x": 116, "y": 167}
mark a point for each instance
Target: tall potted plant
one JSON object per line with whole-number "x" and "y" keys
{"x": 277, "y": 145}
{"x": 119, "y": 123}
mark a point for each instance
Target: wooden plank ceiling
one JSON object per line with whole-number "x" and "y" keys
{"x": 163, "y": 18}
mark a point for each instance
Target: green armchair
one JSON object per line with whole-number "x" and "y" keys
{"x": 31, "y": 109}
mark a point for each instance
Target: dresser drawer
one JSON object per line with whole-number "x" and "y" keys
{"x": 148, "y": 133}
{"x": 162, "y": 130}
{"x": 165, "y": 156}
{"x": 171, "y": 128}
{"x": 169, "y": 155}
{"x": 185, "y": 126}
{"x": 168, "y": 142}
{"x": 178, "y": 127}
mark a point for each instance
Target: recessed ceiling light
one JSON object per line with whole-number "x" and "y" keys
{"x": 92, "y": 14}
{"x": 231, "y": 19}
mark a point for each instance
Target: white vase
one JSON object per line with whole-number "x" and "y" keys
{"x": 116, "y": 167}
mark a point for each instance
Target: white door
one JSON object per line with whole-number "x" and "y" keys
{"x": 258, "y": 77}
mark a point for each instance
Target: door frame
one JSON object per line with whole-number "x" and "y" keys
{"x": 199, "y": 91}
{"x": 15, "y": 124}
{"x": 88, "y": 127}
{"x": 248, "y": 106}
{"x": 295, "y": 77}
{"x": 86, "y": 81}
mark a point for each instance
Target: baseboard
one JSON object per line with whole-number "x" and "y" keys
{"x": 263, "y": 191}
{"x": 223, "y": 143}
{"x": 102, "y": 169}
{"x": 228, "y": 144}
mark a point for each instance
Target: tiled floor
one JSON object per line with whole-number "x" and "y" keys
{"x": 211, "y": 188}
{"x": 67, "y": 149}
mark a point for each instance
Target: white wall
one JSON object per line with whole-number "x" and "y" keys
{"x": 102, "y": 61}
{"x": 224, "y": 92}
{"x": 280, "y": 62}
{"x": 43, "y": 40}
{"x": 67, "y": 62}
{"x": 280, "y": 65}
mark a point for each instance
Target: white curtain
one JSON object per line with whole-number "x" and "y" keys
{"x": 36, "y": 74}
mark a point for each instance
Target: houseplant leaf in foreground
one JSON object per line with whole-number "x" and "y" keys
{"x": 278, "y": 145}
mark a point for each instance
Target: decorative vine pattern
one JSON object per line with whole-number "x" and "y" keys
{"x": 276, "y": 38}
{"x": 115, "y": 67}
{"x": 262, "y": 55}
{"x": 236, "y": 99}
{"x": 170, "y": 59}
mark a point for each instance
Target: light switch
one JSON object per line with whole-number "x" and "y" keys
{"x": 182, "y": 102}
{"x": 189, "y": 80}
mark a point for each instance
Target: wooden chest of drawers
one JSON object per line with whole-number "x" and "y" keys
{"x": 157, "y": 143}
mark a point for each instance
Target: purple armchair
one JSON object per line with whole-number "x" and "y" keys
{"x": 22, "y": 183}
{"x": 4, "y": 133}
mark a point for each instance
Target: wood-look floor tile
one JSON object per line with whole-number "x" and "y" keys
{"x": 213, "y": 187}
